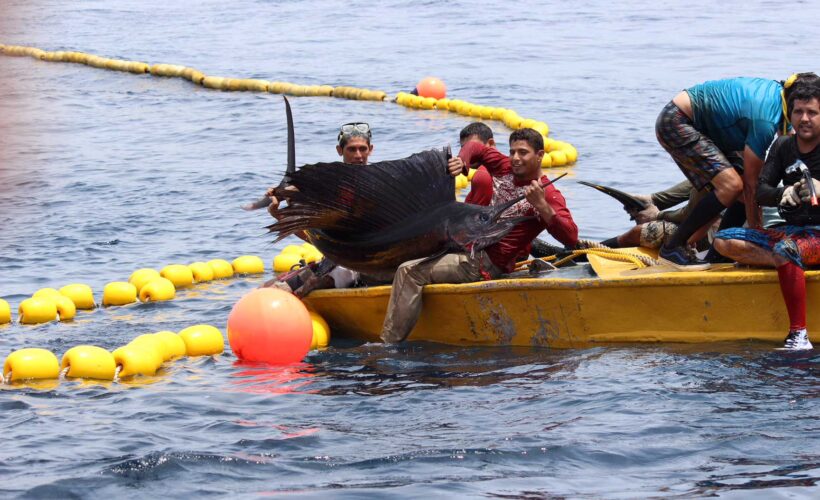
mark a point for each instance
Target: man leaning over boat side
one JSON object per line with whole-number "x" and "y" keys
{"x": 518, "y": 174}
{"x": 354, "y": 145}
{"x": 701, "y": 128}
{"x": 796, "y": 244}
{"x": 659, "y": 220}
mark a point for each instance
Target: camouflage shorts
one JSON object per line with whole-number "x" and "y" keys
{"x": 697, "y": 156}
{"x": 654, "y": 233}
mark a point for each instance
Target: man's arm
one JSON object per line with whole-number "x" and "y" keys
{"x": 474, "y": 154}
{"x": 553, "y": 212}
{"x": 769, "y": 193}
{"x": 752, "y": 165}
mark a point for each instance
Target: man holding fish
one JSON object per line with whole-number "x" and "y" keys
{"x": 543, "y": 207}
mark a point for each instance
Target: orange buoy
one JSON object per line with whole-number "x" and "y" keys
{"x": 271, "y": 326}
{"x": 432, "y": 87}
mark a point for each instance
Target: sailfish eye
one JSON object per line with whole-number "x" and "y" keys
{"x": 484, "y": 217}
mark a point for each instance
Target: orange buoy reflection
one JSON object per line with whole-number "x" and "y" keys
{"x": 261, "y": 378}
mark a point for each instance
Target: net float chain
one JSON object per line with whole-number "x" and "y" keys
{"x": 147, "y": 285}
{"x": 150, "y": 285}
{"x": 142, "y": 356}
{"x": 559, "y": 153}
{"x": 195, "y": 76}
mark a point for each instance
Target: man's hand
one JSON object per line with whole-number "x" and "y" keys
{"x": 455, "y": 166}
{"x": 535, "y": 196}
{"x": 803, "y": 189}
{"x": 790, "y": 196}
{"x": 274, "y": 201}
{"x": 648, "y": 214}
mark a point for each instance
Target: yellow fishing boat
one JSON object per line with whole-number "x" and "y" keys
{"x": 588, "y": 304}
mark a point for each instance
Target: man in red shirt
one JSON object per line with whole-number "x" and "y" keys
{"x": 481, "y": 185}
{"x": 518, "y": 174}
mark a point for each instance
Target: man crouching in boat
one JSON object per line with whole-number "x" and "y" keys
{"x": 516, "y": 175}
{"x": 354, "y": 146}
{"x": 790, "y": 247}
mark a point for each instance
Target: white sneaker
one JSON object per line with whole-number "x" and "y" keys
{"x": 797, "y": 340}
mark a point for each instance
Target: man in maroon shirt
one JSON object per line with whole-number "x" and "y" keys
{"x": 518, "y": 174}
{"x": 481, "y": 185}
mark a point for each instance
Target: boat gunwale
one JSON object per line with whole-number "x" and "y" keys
{"x": 679, "y": 278}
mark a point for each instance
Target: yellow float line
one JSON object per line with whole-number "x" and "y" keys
{"x": 558, "y": 153}
{"x": 144, "y": 355}
{"x": 68, "y": 314}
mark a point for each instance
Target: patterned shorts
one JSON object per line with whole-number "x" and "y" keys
{"x": 654, "y": 233}
{"x": 799, "y": 244}
{"x": 697, "y": 156}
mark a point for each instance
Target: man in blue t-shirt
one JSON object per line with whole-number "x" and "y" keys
{"x": 718, "y": 132}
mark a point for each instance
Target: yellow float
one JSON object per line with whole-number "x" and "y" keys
{"x": 559, "y": 158}
{"x": 202, "y": 272}
{"x": 294, "y": 249}
{"x": 142, "y": 276}
{"x": 88, "y": 361}
{"x": 181, "y": 276}
{"x": 202, "y": 340}
{"x": 81, "y": 295}
{"x": 31, "y": 363}
{"x": 284, "y": 262}
{"x": 153, "y": 343}
{"x": 248, "y": 264}
{"x": 46, "y": 293}
{"x": 37, "y": 310}
{"x": 321, "y": 331}
{"x": 174, "y": 345}
{"x": 222, "y": 268}
{"x": 137, "y": 360}
{"x": 5, "y": 312}
{"x": 158, "y": 290}
{"x": 119, "y": 293}
{"x": 66, "y": 309}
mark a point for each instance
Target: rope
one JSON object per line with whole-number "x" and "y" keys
{"x": 612, "y": 254}
{"x": 589, "y": 247}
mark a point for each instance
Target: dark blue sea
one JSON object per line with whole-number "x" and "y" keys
{"x": 102, "y": 173}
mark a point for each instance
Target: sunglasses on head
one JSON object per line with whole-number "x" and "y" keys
{"x": 354, "y": 128}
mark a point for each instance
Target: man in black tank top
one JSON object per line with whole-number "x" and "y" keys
{"x": 794, "y": 160}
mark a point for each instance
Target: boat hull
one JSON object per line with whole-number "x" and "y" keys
{"x": 729, "y": 305}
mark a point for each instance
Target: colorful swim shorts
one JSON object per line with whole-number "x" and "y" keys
{"x": 799, "y": 244}
{"x": 654, "y": 233}
{"x": 697, "y": 156}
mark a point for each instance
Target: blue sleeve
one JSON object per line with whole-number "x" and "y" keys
{"x": 760, "y": 135}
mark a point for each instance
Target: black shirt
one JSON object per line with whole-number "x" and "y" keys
{"x": 782, "y": 155}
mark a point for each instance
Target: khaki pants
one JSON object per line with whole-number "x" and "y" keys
{"x": 405, "y": 297}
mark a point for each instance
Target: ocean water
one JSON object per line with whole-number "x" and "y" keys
{"x": 102, "y": 173}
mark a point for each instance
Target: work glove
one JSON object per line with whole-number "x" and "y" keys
{"x": 790, "y": 196}
{"x": 804, "y": 192}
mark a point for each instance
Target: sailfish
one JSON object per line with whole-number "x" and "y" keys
{"x": 372, "y": 218}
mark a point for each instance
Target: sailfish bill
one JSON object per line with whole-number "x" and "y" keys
{"x": 265, "y": 200}
{"x": 629, "y": 202}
